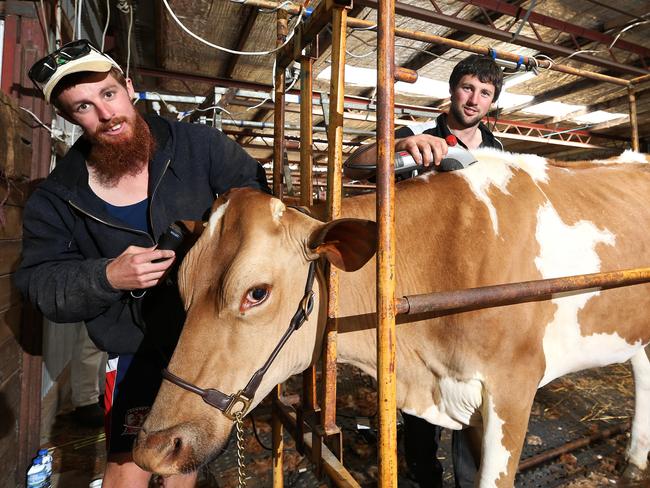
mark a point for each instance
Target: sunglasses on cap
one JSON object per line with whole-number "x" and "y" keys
{"x": 44, "y": 68}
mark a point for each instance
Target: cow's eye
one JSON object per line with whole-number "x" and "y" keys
{"x": 255, "y": 296}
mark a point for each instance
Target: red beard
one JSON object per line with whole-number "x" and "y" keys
{"x": 113, "y": 158}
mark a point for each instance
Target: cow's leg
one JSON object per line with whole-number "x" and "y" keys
{"x": 639, "y": 446}
{"x": 504, "y": 429}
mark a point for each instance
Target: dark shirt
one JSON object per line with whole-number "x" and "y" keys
{"x": 134, "y": 215}
{"x": 439, "y": 128}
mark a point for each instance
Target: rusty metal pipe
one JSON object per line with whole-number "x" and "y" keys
{"x": 278, "y": 115}
{"x": 306, "y": 134}
{"x": 277, "y": 440}
{"x": 386, "y": 339}
{"x": 405, "y": 75}
{"x": 478, "y": 49}
{"x": 331, "y": 465}
{"x": 545, "y": 456}
{"x": 527, "y": 291}
{"x": 334, "y": 191}
{"x": 634, "y": 122}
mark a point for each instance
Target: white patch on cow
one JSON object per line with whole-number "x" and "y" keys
{"x": 637, "y": 451}
{"x": 627, "y": 156}
{"x": 277, "y": 209}
{"x": 571, "y": 250}
{"x": 495, "y": 459}
{"x": 460, "y": 402}
{"x": 494, "y": 169}
{"x": 216, "y": 217}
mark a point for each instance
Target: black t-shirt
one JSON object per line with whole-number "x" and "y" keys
{"x": 439, "y": 128}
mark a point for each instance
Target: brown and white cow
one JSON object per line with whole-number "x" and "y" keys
{"x": 507, "y": 218}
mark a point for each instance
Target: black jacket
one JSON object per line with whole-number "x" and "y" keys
{"x": 69, "y": 237}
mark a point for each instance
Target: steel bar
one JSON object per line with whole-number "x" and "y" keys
{"x": 331, "y": 464}
{"x": 538, "y": 459}
{"x": 277, "y": 438}
{"x": 476, "y": 48}
{"x": 308, "y": 31}
{"x": 527, "y": 291}
{"x": 351, "y": 102}
{"x": 309, "y": 386}
{"x": 634, "y": 122}
{"x": 385, "y": 211}
{"x": 278, "y": 190}
{"x": 560, "y": 25}
{"x": 278, "y": 115}
{"x": 334, "y": 190}
{"x": 306, "y": 134}
{"x": 428, "y": 15}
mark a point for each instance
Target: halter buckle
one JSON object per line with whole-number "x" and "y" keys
{"x": 307, "y": 303}
{"x": 238, "y": 398}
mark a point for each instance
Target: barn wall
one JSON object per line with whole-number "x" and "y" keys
{"x": 17, "y": 352}
{"x": 24, "y": 159}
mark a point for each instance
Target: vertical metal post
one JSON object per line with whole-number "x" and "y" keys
{"x": 334, "y": 164}
{"x": 309, "y": 390}
{"x": 278, "y": 164}
{"x": 278, "y": 115}
{"x": 277, "y": 431}
{"x": 306, "y": 135}
{"x": 634, "y": 123}
{"x": 386, "y": 339}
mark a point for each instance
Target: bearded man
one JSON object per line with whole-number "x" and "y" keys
{"x": 91, "y": 231}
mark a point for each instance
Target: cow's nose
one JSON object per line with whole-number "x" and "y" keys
{"x": 163, "y": 452}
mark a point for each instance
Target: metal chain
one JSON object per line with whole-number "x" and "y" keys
{"x": 241, "y": 468}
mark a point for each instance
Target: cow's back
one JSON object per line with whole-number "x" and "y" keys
{"x": 511, "y": 218}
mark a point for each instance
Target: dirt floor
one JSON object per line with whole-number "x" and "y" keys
{"x": 573, "y": 407}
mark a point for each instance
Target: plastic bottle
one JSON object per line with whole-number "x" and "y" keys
{"x": 47, "y": 461}
{"x": 37, "y": 475}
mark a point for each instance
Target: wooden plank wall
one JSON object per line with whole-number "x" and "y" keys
{"x": 15, "y": 172}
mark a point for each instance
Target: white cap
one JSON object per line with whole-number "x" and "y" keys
{"x": 94, "y": 61}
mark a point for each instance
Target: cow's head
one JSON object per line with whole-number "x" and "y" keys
{"x": 241, "y": 284}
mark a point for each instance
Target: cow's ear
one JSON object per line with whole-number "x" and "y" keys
{"x": 346, "y": 243}
{"x": 194, "y": 229}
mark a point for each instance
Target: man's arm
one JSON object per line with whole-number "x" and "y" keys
{"x": 63, "y": 284}
{"x": 53, "y": 274}
{"x": 424, "y": 148}
{"x": 232, "y": 167}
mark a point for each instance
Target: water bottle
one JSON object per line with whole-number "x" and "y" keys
{"x": 47, "y": 461}
{"x": 36, "y": 475}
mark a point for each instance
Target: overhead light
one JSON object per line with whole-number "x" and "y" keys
{"x": 552, "y": 108}
{"x": 597, "y": 117}
{"x": 518, "y": 78}
{"x": 426, "y": 87}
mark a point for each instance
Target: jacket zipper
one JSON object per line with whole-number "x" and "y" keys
{"x": 153, "y": 194}
{"x": 115, "y": 226}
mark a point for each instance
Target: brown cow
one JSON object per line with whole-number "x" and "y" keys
{"x": 507, "y": 218}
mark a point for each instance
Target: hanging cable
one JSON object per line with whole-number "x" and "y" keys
{"x": 43, "y": 124}
{"x": 232, "y": 51}
{"x": 128, "y": 42}
{"x": 108, "y": 19}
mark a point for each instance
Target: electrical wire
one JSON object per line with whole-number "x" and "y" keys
{"x": 108, "y": 19}
{"x": 626, "y": 29}
{"x": 232, "y": 51}
{"x": 43, "y": 124}
{"x": 128, "y": 42}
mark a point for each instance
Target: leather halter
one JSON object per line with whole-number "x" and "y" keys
{"x": 226, "y": 403}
